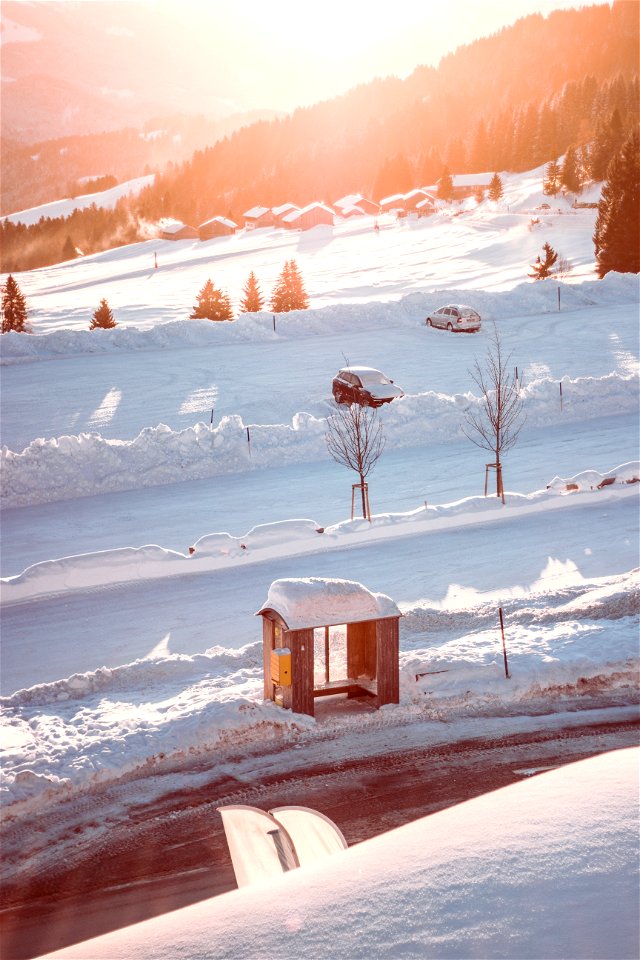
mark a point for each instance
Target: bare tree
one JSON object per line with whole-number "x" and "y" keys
{"x": 355, "y": 439}
{"x": 496, "y": 423}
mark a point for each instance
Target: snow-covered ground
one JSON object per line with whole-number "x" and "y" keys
{"x": 125, "y": 653}
{"x": 544, "y": 868}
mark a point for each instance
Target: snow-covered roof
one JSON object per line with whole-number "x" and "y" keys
{"x": 310, "y": 206}
{"x": 320, "y": 602}
{"x": 394, "y": 198}
{"x": 256, "y": 212}
{"x": 348, "y": 211}
{"x": 171, "y": 226}
{"x": 349, "y": 201}
{"x": 427, "y": 202}
{"x": 222, "y": 220}
{"x": 471, "y": 179}
{"x": 284, "y": 208}
{"x": 418, "y": 192}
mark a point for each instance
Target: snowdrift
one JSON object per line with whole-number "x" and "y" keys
{"x": 544, "y": 868}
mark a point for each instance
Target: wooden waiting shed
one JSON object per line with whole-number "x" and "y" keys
{"x": 305, "y": 620}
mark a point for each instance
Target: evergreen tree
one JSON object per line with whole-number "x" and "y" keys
{"x": 569, "y": 176}
{"x": 212, "y": 304}
{"x": 289, "y": 292}
{"x": 14, "y": 308}
{"x": 252, "y": 301}
{"x": 495, "y": 187}
{"x": 617, "y": 229}
{"x": 103, "y": 318}
{"x": 551, "y": 181}
{"x": 445, "y": 186}
{"x": 543, "y": 268}
{"x": 69, "y": 251}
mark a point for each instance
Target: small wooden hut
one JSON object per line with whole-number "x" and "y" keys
{"x": 301, "y": 619}
{"x": 176, "y": 230}
{"x": 310, "y": 216}
{"x": 216, "y": 227}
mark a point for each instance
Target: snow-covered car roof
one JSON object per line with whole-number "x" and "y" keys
{"x": 321, "y": 602}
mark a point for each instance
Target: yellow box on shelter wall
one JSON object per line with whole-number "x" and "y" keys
{"x": 281, "y": 667}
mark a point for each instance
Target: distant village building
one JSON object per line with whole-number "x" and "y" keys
{"x": 394, "y": 202}
{"x": 279, "y": 213}
{"x": 425, "y": 207}
{"x": 354, "y": 204}
{"x": 467, "y": 184}
{"x": 176, "y": 230}
{"x": 258, "y": 217}
{"x": 310, "y": 216}
{"x": 415, "y": 197}
{"x": 216, "y": 227}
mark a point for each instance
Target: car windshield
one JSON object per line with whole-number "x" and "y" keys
{"x": 370, "y": 378}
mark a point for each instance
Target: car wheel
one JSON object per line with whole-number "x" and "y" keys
{"x": 429, "y": 324}
{"x": 339, "y": 396}
{"x": 450, "y": 327}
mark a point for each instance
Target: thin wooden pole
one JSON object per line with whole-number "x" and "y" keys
{"x": 504, "y": 646}
{"x": 326, "y": 654}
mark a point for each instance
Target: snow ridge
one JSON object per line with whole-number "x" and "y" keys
{"x": 89, "y": 464}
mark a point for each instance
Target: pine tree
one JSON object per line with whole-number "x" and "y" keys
{"x": 551, "y": 181}
{"x": 569, "y": 176}
{"x": 14, "y": 308}
{"x": 212, "y": 304}
{"x": 289, "y": 292}
{"x": 445, "y": 186}
{"x": 252, "y": 301}
{"x": 69, "y": 251}
{"x": 617, "y": 229}
{"x": 103, "y": 318}
{"x": 495, "y": 187}
{"x": 544, "y": 268}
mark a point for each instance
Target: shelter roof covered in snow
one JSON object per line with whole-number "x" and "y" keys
{"x": 319, "y": 602}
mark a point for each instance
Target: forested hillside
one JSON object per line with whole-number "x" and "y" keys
{"x": 510, "y": 101}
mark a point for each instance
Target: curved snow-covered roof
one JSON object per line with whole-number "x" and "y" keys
{"x": 320, "y": 602}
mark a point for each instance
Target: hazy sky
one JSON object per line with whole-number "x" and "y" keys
{"x": 288, "y": 53}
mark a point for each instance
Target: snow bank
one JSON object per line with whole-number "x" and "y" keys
{"x": 571, "y": 644}
{"x": 296, "y": 537}
{"x": 543, "y": 868}
{"x": 89, "y": 464}
{"x": 526, "y": 299}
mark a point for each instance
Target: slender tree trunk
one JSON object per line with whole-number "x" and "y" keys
{"x": 364, "y": 502}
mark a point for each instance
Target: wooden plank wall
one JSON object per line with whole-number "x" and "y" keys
{"x": 301, "y": 644}
{"x": 388, "y": 647}
{"x": 361, "y": 650}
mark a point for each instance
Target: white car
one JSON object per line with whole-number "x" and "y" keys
{"x": 364, "y": 385}
{"x": 456, "y": 317}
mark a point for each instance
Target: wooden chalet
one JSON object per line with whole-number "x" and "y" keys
{"x": 415, "y": 197}
{"x": 258, "y": 217}
{"x": 394, "y": 202}
{"x": 315, "y": 628}
{"x": 424, "y": 208}
{"x": 355, "y": 204}
{"x": 176, "y": 230}
{"x": 279, "y": 213}
{"x": 216, "y": 227}
{"x": 467, "y": 184}
{"x": 310, "y": 216}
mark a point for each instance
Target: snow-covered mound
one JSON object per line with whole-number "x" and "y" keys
{"x": 544, "y": 868}
{"x": 89, "y": 464}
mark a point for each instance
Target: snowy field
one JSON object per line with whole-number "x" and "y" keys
{"x": 123, "y": 652}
